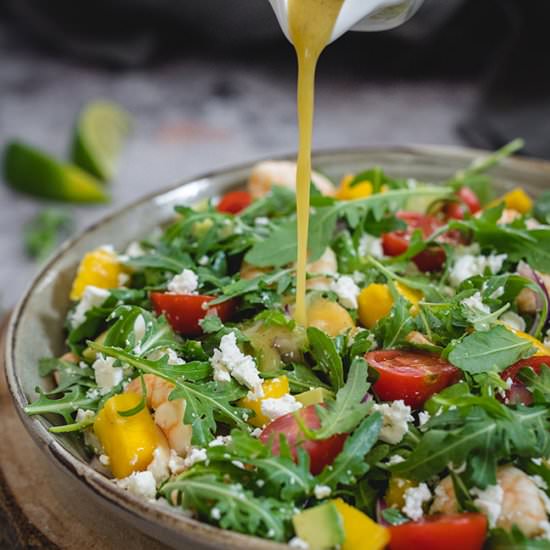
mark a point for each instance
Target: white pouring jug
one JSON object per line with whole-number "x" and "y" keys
{"x": 360, "y": 15}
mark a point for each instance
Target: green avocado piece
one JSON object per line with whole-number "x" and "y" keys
{"x": 28, "y": 170}
{"x": 320, "y": 527}
{"x": 314, "y": 396}
{"x": 91, "y": 355}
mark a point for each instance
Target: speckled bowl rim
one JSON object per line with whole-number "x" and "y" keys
{"x": 154, "y": 514}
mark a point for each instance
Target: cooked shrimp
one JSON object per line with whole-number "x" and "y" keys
{"x": 527, "y": 299}
{"x": 169, "y": 415}
{"x": 326, "y": 264}
{"x": 283, "y": 173}
{"x": 521, "y": 504}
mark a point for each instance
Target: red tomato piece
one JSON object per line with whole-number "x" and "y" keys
{"x": 234, "y": 202}
{"x": 184, "y": 311}
{"x": 410, "y": 375}
{"x": 518, "y": 393}
{"x": 454, "y": 211}
{"x": 469, "y": 198}
{"x": 452, "y": 532}
{"x": 397, "y": 242}
{"x": 321, "y": 453}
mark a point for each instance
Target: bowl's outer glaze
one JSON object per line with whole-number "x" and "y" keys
{"x": 36, "y": 327}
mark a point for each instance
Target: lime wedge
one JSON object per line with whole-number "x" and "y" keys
{"x": 29, "y": 170}
{"x": 100, "y": 132}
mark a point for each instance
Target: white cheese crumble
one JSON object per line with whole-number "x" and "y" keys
{"x": 395, "y": 418}
{"x": 513, "y": 320}
{"x": 476, "y": 305}
{"x": 298, "y": 543}
{"x": 423, "y": 417}
{"x": 468, "y": 265}
{"x": 256, "y": 432}
{"x": 547, "y": 339}
{"x": 93, "y": 296}
{"x": 185, "y": 282}
{"x": 215, "y": 514}
{"x": 194, "y": 456}
{"x": 159, "y": 465}
{"x": 139, "y": 329}
{"x": 322, "y": 491}
{"x": 346, "y": 290}
{"x": 172, "y": 356}
{"x": 395, "y": 459}
{"x": 370, "y": 246}
{"x": 84, "y": 415}
{"x": 176, "y": 464}
{"x": 229, "y": 361}
{"x": 105, "y": 460}
{"x": 220, "y": 441}
{"x": 415, "y": 497}
{"x": 203, "y": 260}
{"x": 106, "y": 375}
{"x": 140, "y": 484}
{"x": 134, "y": 250}
{"x": 261, "y": 220}
{"x": 489, "y": 501}
{"x": 275, "y": 407}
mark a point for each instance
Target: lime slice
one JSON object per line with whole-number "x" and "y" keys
{"x": 29, "y": 170}
{"x": 100, "y": 132}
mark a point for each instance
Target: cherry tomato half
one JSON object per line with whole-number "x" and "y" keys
{"x": 397, "y": 242}
{"x": 234, "y": 202}
{"x": 410, "y": 375}
{"x": 518, "y": 393}
{"x": 321, "y": 453}
{"x": 452, "y": 532}
{"x": 467, "y": 202}
{"x": 184, "y": 311}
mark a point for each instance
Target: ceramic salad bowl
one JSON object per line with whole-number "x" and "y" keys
{"x": 36, "y": 328}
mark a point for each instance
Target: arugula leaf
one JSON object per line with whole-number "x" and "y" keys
{"x": 281, "y": 201}
{"x": 350, "y": 464}
{"x": 392, "y": 329}
{"x": 76, "y": 398}
{"x": 302, "y": 379}
{"x": 394, "y": 516}
{"x": 327, "y": 359}
{"x": 494, "y": 349}
{"x": 239, "y": 509}
{"x": 68, "y": 374}
{"x": 514, "y": 540}
{"x": 323, "y": 223}
{"x": 211, "y": 324}
{"x": 348, "y": 409}
{"x": 204, "y": 401}
{"x": 537, "y": 384}
{"x": 122, "y": 334}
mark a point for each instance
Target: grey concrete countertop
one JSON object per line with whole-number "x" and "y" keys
{"x": 197, "y": 114}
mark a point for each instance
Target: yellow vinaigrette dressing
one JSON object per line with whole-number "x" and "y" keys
{"x": 311, "y": 23}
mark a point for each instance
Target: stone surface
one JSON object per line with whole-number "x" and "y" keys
{"x": 196, "y": 114}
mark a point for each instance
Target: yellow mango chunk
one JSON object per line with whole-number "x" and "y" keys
{"x": 537, "y": 344}
{"x": 128, "y": 441}
{"x": 518, "y": 200}
{"x": 397, "y": 487}
{"x": 100, "y": 268}
{"x": 329, "y": 317}
{"x": 359, "y": 191}
{"x": 273, "y": 388}
{"x": 375, "y": 302}
{"x": 361, "y": 532}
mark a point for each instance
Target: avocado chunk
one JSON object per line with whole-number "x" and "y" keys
{"x": 314, "y": 396}
{"x": 321, "y": 527}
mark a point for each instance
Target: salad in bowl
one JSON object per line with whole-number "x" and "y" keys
{"x": 411, "y": 412}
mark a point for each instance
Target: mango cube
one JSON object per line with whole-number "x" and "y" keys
{"x": 359, "y": 191}
{"x": 518, "y": 200}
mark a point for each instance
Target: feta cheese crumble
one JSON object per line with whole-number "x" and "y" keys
{"x": 159, "y": 465}
{"x": 172, "y": 356}
{"x": 228, "y": 360}
{"x": 415, "y": 497}
{"x": 298, "y": 543}
{"x": 476, "y": 305}
{"x": 105, "y": 460}
{"x": 134, "y": 250}
{"x": 83, "y": 415}
{"x": 489, "y": 501}
{"x": 93, "y": 296}
{"x": 195, "y": 455}
{"x": 107, "y": 376}
{"x": 322, "y": 491}
{"x": 468, "y": 265}
{"x": 395, "y": 418}
{"x": 395, "y": 459}
{"x": 140, "y": 484}
{"x": 370, "y": 246}
{"x": 185, "y": 282}
{"x": 275, "y": 407}
{"x": 220, "y": 441}
{"x": 513, "y": 320}
{"x": 346, "y": 290}
{"x": 423, "y": 417}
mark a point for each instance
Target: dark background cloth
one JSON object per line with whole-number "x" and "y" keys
{"x": 503, "y": 44}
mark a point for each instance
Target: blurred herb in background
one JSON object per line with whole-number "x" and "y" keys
{"x": 45, "y": 231}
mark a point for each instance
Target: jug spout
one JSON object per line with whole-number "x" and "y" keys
{"x": 362, "y": 15}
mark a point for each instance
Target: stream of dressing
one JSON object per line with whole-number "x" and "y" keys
{"x": 310, "y": 23}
